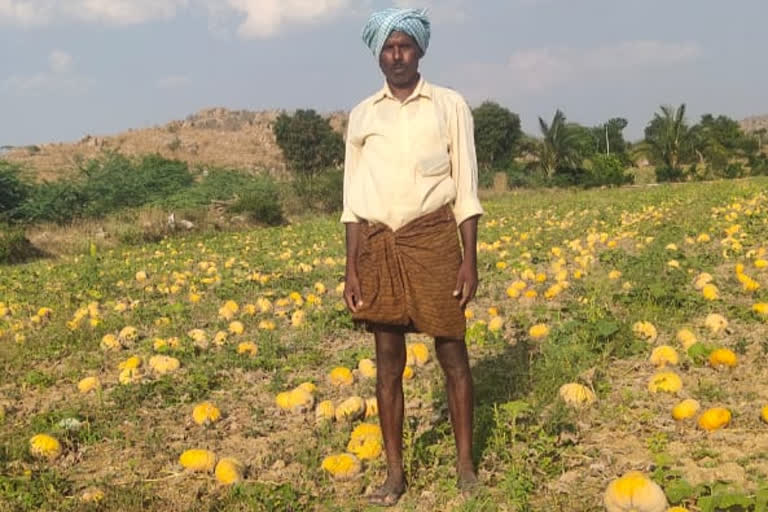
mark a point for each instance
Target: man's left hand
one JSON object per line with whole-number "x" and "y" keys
{"x": 466, "y": 283}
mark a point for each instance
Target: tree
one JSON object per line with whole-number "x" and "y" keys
{"x": 13, "y": 191}
{"x": 497, "y": 134}
{"x": 559, "y": 148}
{"x": 308, "y": 142}
{"x": 669, "y": 137}
{"x": 609, "y": 137}
{"x": 718, "y": 140}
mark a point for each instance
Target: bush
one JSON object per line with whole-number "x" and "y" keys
{"x": 217, "y": 184}
{"x": 329, "y": 189}
{"x": 308, "y": 142}
{"x": 733, "y": 170}
{"x": 14, "y": 246}
{"x": 497, "y": 132}
{"x": 115, "y": 181}
{"x": 520, "y": 176}
{"x": 666, "y": 174}
{"x": 58, "y": 202}
{"x": 261, "y": 202}
{"x": 607, "y": 170}
{"x": 13, "y": 191}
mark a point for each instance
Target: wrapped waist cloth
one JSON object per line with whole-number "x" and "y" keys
{"x": 407, "y": 276}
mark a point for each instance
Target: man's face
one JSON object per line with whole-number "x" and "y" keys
{"x": 399, "y": 59}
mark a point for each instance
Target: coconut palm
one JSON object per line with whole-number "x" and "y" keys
{"x": 669, "y": 136}
{"x": 560, "y": 145}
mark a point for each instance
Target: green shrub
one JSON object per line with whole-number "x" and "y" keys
{"x": 261, "y": 202}
{"x": 607, "y": 170}
{"x": 115, "y": 181}
{"x": 308, "y": 142}
{"x": 521, "y": 176}
{"x": 329, "y": 190}
{"x": 14, "y": 246}
{"x": 13, "y": 190}
{"x": 733, "y": 170}
{"x": 665, "y": 173}
{"x": 216, "y": 184}
{"x": 59, "y": 202}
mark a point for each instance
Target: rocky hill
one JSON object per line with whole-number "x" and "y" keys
{"x": 217, "y": 136}
{"x": 752, "y": 124}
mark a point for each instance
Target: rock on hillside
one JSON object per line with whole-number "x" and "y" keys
{"x": 239, "y": 139}
{"x": 752, "y": 124}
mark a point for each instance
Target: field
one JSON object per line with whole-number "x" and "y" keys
{"x": 588, "y": 265}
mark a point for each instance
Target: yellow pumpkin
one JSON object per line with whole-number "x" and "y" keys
{"x": 408, "y": 373}
{"x": 45, "y": 446}
{"x": 229, "y": 471}
{"x": 371, "y": 407}
{"x": 716, "y": 323}
{"x": 341, "y": 467}
{"x": 665, "y": 382}
{"x": 714, "y": 419}
{"x": 367, "y": 368}
{"x": 645, "y": 331}
{"x": 341, "y": 376}
{"x": 538, "y": 331}
{"x": 686, "y": 338}
{"x": 206, "y": 413}
{"x": 576, "y": 395}
{"x": 130, "y": 363}
{"x": 764, "y": 414}
{"x": 164, "y": 364}
{"x": 722, "y": 357}
{"x": 88, "y": 384}
{"x": 685, "y": 409}
{"x": 297, "y": 400}
{"x": 248, "y": 348}
{"x": 366, "y": 441}
{"x": 198, "y": 461}
{"x": 350, "y": 409}
{"x": 325, "y": 411}
{"x": 418, "y": 354}
{"x": 663, "y": 355}
{"x": 634, "y": 492}
{"x": 92, "y": 495}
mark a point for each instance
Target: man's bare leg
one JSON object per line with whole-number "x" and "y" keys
{"x": 453, "y": 357}
{"x": 390, "y": 363}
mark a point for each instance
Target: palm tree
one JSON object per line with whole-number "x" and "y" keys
{"x": 560, "y": 147}
{"x": 668, "y": 135}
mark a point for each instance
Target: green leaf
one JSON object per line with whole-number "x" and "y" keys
{"x": 679, "y": 490}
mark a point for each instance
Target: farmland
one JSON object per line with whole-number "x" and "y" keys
{"x": 607, "y": 276}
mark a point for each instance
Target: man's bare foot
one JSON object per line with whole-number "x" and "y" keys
{"x": 389, "y": 493}
{"x": 467, "y": 478}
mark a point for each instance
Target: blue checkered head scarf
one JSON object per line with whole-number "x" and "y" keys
{"x": 380, "y": 25}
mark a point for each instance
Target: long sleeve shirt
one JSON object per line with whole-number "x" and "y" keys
{"x": 406, "y": 159}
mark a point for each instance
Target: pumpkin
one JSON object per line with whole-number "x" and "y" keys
{"x": 366, "y": 441}
{"x": 128, "y": 335}
{"x": 92, "y": 495}
{"x": 164, "y": 364}
{"x": 722, "y": 357}
{"x": 341, "y": 376}
{"x": 665, "y": 382}
{"x": 417, "y": 353}
{"x": 538, "y": 331}
{"x": 229, "y": 471}
{"x": 764, "y": 414}
{"x": 663, "y": 355}
{"x": 344, "y": 466}
{"x": 88, "y": 384}
{"x": 248, "y": 348}
{"x": 710, "y": 292}
{"x": 677, "y": 509}
{"x": 685, "y": 409}
{"x": 297, "y": 400}
{"x": 198, "y": 461}
{"x": 761, "y": 309}
{"x": 367, "y": 368}
{"x": 130, "y": 376}
{"x": 236, "y": 328}
{"x": 702, "y": 280}
{"x": 576, "y": 395}
{"x": 714, "y": 419}
{"x": 716, "y": 323}
{"x": 350, "y": 409}
{"x": 634, "y": 492}
{"x": 206, "y": 413}
{"x": 110, "y": 342}
{"x": 408, "y": 373}
{"x": 496, "y": 324}
{"x": 325, "y": 411}
{"x": 130, "y": 363}
{"x": 686, "y": 338}
{"x": 309, "y": 387}
{"x": 645, "y": 331}
{"x": 44, "y": 446}
{"x": 371, "y": 407}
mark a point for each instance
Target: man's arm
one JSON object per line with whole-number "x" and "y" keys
{"x": 352, "y": 295}
{"x": 466, "y": 281}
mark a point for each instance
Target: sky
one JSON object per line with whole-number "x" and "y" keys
{"x": 69, "y": 68}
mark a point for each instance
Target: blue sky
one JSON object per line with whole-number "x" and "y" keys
{"x": 75, "y": 67}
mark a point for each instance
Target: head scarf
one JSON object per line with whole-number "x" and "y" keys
{"x": 380, "y": 25}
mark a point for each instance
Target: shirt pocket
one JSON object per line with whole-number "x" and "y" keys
{"x": 437, "y": 165}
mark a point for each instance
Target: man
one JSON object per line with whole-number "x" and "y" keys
{"x": 410, "y": 178}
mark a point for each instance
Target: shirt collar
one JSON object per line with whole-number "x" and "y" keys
{"x": 423, "y": 88}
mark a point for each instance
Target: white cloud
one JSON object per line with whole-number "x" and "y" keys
{"x": 60, "y": 61}
{"x": 121, "y": 12}
{"x": 58, "y": 78}
{"x": 172, "y": 82}
{"x": 264, "y": 18}
{"x": 542, "y": 68}
{"x": 446, "y": 11}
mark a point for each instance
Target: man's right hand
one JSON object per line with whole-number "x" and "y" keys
{"x": 352, "y": 295}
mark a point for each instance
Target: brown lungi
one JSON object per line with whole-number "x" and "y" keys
{"x": 407, "y": 277}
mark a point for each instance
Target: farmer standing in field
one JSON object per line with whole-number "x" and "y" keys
{"x": 410, "y": 179}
